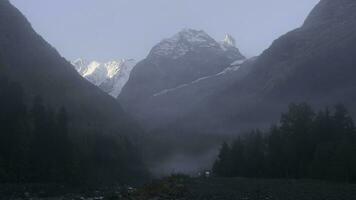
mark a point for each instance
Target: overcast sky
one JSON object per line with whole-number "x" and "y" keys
{"x": 112, "y": 29}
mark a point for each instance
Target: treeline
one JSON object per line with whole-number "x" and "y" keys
{"x": 35, "y": 146}
{"x": 304, "y": 144}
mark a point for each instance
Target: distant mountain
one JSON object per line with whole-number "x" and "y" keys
{"x": 176, "y": 64}
{"x": 26, "y": 58}
{"x": 314, "y": 63}
{"x": 110, "y": 76}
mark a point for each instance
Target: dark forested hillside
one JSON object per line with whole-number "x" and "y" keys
{"x": 54, "y": 125}
{"x": 28, "y": 59}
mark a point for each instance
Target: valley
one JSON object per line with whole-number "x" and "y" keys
{"x": 196, "y": 118}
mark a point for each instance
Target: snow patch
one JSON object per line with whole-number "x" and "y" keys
{"x": 183, "y": 42}
{"x": 235, "y": 66}
{"x": 229, "y": 41}
{"x": 238, "y": 62}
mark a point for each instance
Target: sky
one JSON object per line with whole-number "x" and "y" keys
{"x": 105, "y": 30}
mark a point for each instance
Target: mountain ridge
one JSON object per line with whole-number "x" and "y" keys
{"x": 186, "y": 57}
{"x": 313, "y": 64}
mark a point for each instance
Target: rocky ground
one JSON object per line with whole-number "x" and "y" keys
{"x": 185, "y": 188}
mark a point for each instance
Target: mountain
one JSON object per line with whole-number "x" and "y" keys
{"x": 26, "y": 58}
{"x": 57, "y": 127}
{"x": 110, "y": 76}
{"x": 175, "y": 64}
{"x": 314, "y": 63}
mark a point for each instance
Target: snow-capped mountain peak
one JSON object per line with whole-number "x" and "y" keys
{"x": 183, "y": 42}
{"x": 229, "y": 41}
{"x": 192, "y": 36}
{"x": 113, "y": 67}
{"x": 109, "y": 76}
{"x": 190, "y": 40}
{"x": 93, "y": 67}
{"x": 80, "y": 65}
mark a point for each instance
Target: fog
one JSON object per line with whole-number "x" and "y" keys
{"x": 113, "y": 29}
{"x": 185, "y": 163}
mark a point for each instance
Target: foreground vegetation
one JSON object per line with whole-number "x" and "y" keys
{"x": 185, "y": 188}
{"x": 304, "y": 144}
{"x": 38, "y": 145}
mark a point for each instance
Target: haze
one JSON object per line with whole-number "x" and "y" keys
{"x": 113, "y": 29}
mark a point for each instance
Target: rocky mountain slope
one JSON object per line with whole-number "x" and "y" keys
{"x": 314, "y": 63}
{"x": 110, "y": 76}
{"x": 189, "y": 58}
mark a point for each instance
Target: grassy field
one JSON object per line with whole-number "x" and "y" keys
{"x": 270, "y": 189}
{"x": 180, "y": 187}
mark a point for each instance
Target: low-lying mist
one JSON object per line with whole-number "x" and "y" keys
{"x": 190, "y": 154}
{"x": 185, "y": 164}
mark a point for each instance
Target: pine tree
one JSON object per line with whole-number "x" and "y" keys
{"x": 223, "y": 167}
{"x": 276, "y": 153}
{"x": 238, "y": 158}
{"x": 61, "y": 159}
{"x": 296, "y": 125}
{"x": 40, "y": 156}
{"x": 255, "y": 154}
{"x": 13, "y": 125}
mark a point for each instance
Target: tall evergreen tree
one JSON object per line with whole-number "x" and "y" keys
{"x": 62, "y": 148}
{"x": 13, "y": 127}
{"x": 296, "y": 126}
{"x": 277, "y": 153}
{"x": 223, "y": 165}
{"x": 42, "y": 143}
{"x": 238, "y": 157}
{"x": 255, "y": 154}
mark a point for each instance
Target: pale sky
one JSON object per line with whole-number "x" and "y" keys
{"x": 112, "y": 29}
